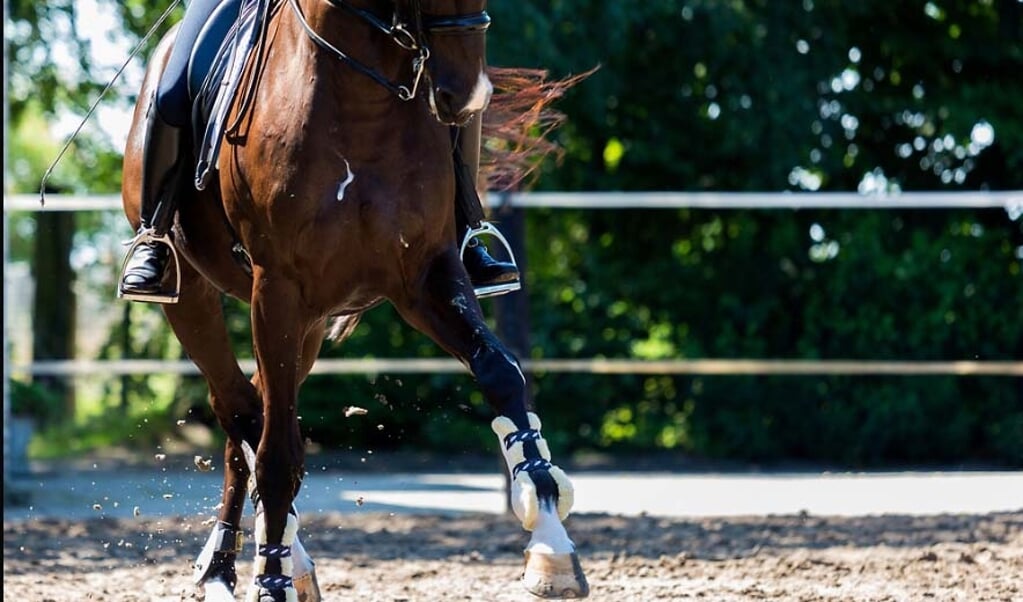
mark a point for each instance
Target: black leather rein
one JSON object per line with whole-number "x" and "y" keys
{"x": 468, "y": 23}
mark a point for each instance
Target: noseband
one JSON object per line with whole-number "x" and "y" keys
{"x": 399, "y": 32}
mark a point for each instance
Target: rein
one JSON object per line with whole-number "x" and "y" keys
{"x": 400, "y": 34}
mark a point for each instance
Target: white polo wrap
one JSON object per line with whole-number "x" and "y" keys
{"x": 287, "y": 564}
{"x": 524, "y": 499}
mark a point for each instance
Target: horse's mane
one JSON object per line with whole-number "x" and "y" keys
{"x": 517, "y": 125}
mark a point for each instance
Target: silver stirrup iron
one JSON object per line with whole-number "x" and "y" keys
{"x": 494, "y": 289}
{"x": 146, "y": 237}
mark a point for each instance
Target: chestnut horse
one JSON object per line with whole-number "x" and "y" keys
{"x": 338, "y": 189}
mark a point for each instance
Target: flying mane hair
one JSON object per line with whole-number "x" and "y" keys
{"x": 518, "y": 124}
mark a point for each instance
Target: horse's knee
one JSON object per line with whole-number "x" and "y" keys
{"x": 536, "y": 482}
{"x": 239, "y": 413}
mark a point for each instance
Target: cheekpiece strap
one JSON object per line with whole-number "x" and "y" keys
{"x": 274, "y": 551}
{"x": 273, "y": 581}
{"x": 530, "y": 466}
{"x": 521, "y": 436}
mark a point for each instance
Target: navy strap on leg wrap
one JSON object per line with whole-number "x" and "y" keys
{"x": 530, "y": 466}
{"x": 274, "y": 551}
{"x": 521, "y": 437}
{"x": 273, "y": 581}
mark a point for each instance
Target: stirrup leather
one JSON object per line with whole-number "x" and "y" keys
{"x": 494, "y": 289}
{"x": 147, "y": 236}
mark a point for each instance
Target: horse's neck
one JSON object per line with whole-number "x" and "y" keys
{"x": 351, "y": 35}
{"x": 339, "y": 96}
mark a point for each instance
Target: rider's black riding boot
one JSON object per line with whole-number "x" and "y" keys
{"x": 484, "y": 271}
{"x": 142, "y": 279}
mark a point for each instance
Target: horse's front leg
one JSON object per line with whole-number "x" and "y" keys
{"x": 214, "y": 569}
{"x": 304, "y": 576}
{"x": 541, "y": 493}
{"x": 279, "y": 330}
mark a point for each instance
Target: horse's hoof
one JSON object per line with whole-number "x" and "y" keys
{"x": 555, "y": 576}
{"x": 308, "y": 588}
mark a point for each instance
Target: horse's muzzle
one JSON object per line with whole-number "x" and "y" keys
{"x": 452, "y": 108}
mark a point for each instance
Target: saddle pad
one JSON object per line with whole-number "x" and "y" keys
{"x": 221, "y": 78}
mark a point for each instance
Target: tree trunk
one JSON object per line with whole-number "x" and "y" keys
{"x": 53, "y": 306}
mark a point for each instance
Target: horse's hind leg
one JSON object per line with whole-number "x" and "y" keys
{"x": 541, "y": 493}
{"x": 197, "y": 320}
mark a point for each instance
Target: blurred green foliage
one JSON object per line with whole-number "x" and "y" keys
{"x": 744, "y": 95}
{"x": 35, "y": 402}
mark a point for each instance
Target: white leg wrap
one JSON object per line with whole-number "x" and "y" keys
{"x": 259, "y": 565}
{"x": 259, "y": 526}
{"x": 524, "y": 499}
{"x": 288, "y": 538}
{"x": 290, "y": 531}
{"x": 259, "y": 534}
{"x": 252, "y": 594}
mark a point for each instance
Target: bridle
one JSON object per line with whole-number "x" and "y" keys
{"x": 412, "y": 40}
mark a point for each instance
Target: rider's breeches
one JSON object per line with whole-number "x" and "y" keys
{"x": 172, "y": 101}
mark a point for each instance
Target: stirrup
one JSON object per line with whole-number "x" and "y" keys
{"x": 147, "y": 236}
{"x": 492, "y": 290}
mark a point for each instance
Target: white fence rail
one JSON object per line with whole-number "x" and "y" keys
{"x": 578, "y": 366}
{"x": 1011, "y": 201}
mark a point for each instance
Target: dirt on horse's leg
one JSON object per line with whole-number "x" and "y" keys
{"x": 198, "y": 322}
{"x": 279, "y": 333}
{"x": 541, "y": 493}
